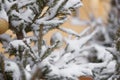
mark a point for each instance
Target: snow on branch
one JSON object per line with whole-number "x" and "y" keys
{"x": 65, "y": 58}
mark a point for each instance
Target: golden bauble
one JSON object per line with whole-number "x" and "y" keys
{"x": 4, "y": 25}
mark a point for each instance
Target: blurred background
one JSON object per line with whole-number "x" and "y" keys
{"x": 91, "y": 10}
{"x": 81, "y": 17}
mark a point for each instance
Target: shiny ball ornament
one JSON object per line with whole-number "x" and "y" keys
{"x": 3, "y": 26}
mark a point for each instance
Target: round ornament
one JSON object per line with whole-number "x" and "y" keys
{"x": 4, "y": 25}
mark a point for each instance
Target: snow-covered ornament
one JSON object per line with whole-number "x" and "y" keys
{"x": 4, "y": 25}
{"x": 56, "y": 37}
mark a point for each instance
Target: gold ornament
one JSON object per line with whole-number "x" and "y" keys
{"x": 3, "y": 26}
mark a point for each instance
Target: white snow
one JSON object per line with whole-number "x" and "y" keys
{"x": 13, "y": 67}
{"x": 15, "y": 44}
{"x": 3, "y": 15}
{"x": 73, "y": 4}
{"x": 69, "y": 62}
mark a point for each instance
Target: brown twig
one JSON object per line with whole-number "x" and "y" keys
{"x": 40, "y": 39}
{"x": 37, "y": 74}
